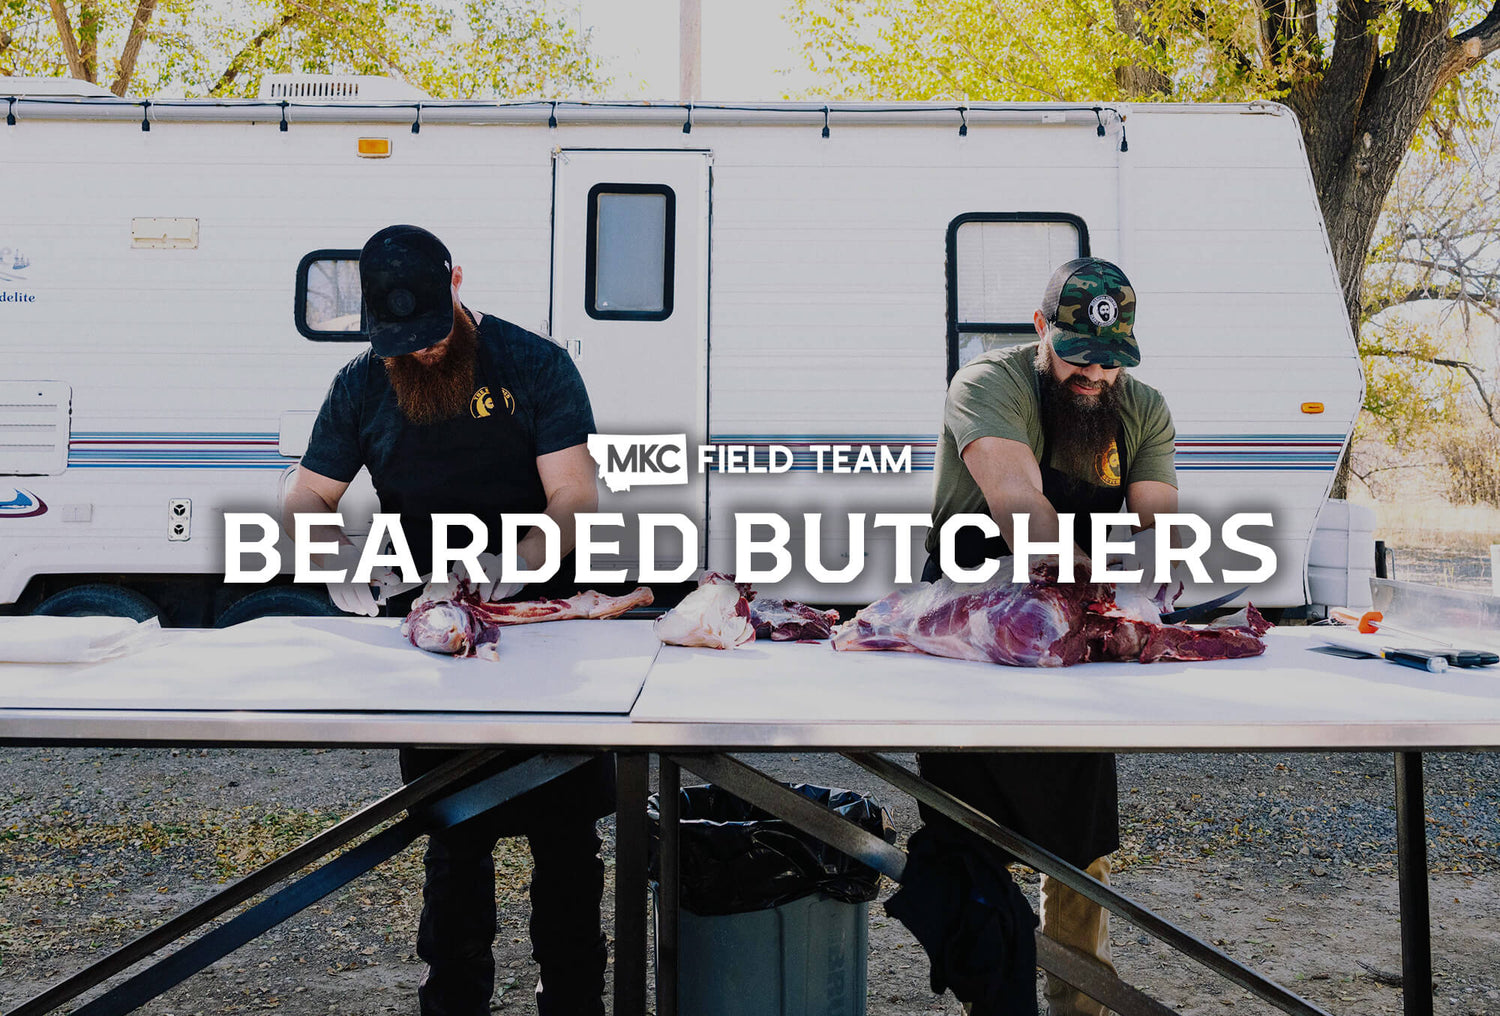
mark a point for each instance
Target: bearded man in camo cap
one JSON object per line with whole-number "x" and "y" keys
{"x": 1051, "y": 427}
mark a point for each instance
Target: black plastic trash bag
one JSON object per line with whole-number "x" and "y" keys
{"x": 737, "y": 858}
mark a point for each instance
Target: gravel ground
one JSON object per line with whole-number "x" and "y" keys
{"x": 1285, "y": 861}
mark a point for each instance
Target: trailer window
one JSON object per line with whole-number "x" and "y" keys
{"x": 329, "y": 307}
{"x": 631, "y": 233}
{"x": 998, "y": 266}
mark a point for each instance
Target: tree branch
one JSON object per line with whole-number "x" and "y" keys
{"x": 240, "y": 60}
{"x": 143, "y": 11}
{"x": 1470, "y": 46}
{"x": 69, "y": 40}
{"x": 1441, "y": 361}
{"x": 1239, "y": 56}
{"x": 1306, "y": 16}
{"x": 1450, "y": 293}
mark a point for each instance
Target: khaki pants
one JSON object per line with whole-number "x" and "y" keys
{"x": 1075, "y": 921}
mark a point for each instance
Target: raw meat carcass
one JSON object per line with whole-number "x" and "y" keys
{"x": 1041, "y": 623}
{"x": 790, "y": 621}
{"x": 716, "y": 615}
{"x": 452, "y": 619}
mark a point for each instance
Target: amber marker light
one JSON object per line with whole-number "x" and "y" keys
{"x": 1312, "y": 407}
{"x": 374, "y": 148}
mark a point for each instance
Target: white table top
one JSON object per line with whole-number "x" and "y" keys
{"x": 351, "y": 664}
{"x": 309, "y": 681}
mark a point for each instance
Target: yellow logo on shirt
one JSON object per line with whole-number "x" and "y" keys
{"x": 1108, "y": 465}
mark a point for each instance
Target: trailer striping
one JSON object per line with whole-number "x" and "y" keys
{"x": 259, "y": 450}
{"x": 176, "y": 450}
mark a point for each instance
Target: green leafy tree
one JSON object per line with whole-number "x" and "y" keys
{"x": 450, "y": 48}
{"x": 1363, "y": 77}
{"x": 1436, "y": 251}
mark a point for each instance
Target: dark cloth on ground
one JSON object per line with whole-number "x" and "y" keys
{"x": 958, "y": 899}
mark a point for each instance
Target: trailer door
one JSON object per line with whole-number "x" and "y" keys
{"x": 630, "y": 302}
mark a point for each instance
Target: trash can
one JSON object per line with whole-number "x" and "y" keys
{"x": 772, "y": 921}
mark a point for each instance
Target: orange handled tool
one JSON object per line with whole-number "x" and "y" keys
{"x": 1372, "y": 621}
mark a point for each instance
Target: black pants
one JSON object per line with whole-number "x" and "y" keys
{"x": 457, "y": 930}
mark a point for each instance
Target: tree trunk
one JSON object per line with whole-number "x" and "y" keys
{"x": 143, "y": 11}
{"x": 69, "y": 40}
{"x": 88, "y": 40}
{"x": 1359, "y": 121}
{"x": 1135, "y": 81}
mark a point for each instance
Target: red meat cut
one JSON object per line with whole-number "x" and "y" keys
{"x": 1041, "y": 623}
{"x": 454, "y": 620}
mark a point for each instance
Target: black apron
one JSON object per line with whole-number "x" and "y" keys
{"x": 482, "y": 465}
{"x": 485, "y": 466}
{"x": 1065, "y": 802}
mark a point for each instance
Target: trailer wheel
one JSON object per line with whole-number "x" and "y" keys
{"x": 98, "y": 599}
{"x": 278, "y": 601}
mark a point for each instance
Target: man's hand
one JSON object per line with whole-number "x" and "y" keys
{"x": 492, "y": 589}
{"x": 350, "y": 597}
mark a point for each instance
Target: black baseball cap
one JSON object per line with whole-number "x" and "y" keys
{"x": 406, "y": 277}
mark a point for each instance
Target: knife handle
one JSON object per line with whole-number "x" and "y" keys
{"x": 1421, "y": 659}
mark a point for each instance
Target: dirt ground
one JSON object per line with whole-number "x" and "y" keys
{"x": 1285, "y": 861}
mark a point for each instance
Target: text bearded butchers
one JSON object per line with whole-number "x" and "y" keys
{"x": 761, "y": 548}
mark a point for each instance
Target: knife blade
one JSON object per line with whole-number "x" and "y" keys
{"x": 1198, "y": 610}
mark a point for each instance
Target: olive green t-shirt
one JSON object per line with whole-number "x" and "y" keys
{"x": 998, "y": 394}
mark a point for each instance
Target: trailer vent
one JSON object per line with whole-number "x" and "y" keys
{"x": 338, "y": 88}
{"x": 34, "y": 427}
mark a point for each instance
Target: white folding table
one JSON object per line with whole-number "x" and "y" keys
{"x": 569, "y": 689}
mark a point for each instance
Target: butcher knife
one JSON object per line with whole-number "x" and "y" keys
{"x": 386, "y": 583}
{"x": 1197, "y": 611}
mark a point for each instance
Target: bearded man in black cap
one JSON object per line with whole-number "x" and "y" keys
{"x": 457, "y": 412}
{"x": 1055, "y": 426}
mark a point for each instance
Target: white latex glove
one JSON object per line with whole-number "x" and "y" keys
{"x": 492, "y": 588}
{"x": 1143, "y": 559}
{"x": 350, "y": 597}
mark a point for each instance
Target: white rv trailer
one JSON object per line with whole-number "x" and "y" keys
{"x": 177, "y": 288}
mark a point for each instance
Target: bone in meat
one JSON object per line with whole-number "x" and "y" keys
{"x": 451, "y": 619}
{"x": 789, "y": 621}
{"x": 716, "y": 615}
{"x": 587, "y": 605}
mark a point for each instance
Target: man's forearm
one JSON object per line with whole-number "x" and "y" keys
{"x": 1042, "y": 522}
{"x": 562, "y": 507}
{"x": 302, "y": 501}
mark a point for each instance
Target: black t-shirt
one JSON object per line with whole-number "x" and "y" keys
{"x": 528, "y": 401}
{"x": 359, "y": 421}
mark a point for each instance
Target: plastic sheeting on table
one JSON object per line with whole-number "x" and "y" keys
{"x": 345, "y": 663}
{"x": 44, "y": 639}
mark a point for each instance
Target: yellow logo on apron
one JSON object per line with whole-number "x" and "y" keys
{"x": 483, "y": 403}
{"x": 1108, "y": 466}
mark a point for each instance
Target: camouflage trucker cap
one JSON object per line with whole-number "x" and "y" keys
{"x": 1091, "y": 306}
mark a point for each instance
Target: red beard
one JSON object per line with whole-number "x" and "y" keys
{"x": 431, "y": 393}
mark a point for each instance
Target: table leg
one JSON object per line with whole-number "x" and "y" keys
{"x": 1411, "y": 868}
{"x": 631, "y": 830}
{"x": 668, "y": 785}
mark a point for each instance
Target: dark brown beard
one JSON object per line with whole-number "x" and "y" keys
{"x": 431, "y": 394}
{"x": 1079, "y": 427}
